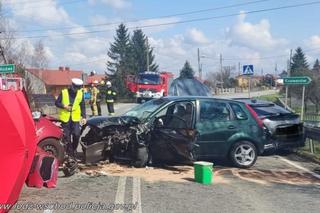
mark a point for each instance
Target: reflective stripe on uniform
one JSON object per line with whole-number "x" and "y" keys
{"x": 110, "y": 101}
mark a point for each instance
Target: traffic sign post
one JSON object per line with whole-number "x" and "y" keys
{"x": 297, "y": 80}
{"x": 7, "y": 68}
{"x": 248, "y": 71}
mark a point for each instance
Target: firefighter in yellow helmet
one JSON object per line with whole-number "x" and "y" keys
{"x": 94, "y": 96}
{"x": 110, "y": 97}
{"x": 72, "y": 111}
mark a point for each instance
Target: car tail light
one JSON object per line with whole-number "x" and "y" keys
{"x": 255, "y": 116}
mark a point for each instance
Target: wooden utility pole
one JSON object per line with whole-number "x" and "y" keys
{"x": 221, "y": 70}
{"x": 289, "y": 73}
{"x": 148, "y": 67}
{"x": 199, "y": 65}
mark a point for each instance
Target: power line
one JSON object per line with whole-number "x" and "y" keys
{"x": 23, "y": 2}
{"x": 27, "y": 2}
{"x": 158, "y": 17}
{"x": 258, "y": 58}
{"x": 215, "y": 59}
{"x": 88, "y": 62}
{"x": 241, "y": 59}
{"x": 46, "y": 4}
{"x": 183, "y": 21}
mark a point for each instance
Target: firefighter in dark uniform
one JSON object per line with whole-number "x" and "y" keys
{"x": 110, "y": 98}
{"x": 100, "y": 97}
{"x": 72, "y": 112}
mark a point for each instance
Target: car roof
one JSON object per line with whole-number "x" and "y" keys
{"x": 192, "y": 98}
{"x": 255, "y": 102}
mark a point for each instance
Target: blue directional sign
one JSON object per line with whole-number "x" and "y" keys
{"x": 247, "y": 69}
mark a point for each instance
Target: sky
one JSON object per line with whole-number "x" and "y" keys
{"x": 78, "y": 33}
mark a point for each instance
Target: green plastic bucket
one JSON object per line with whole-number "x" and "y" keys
{"x": 203, "y": 172}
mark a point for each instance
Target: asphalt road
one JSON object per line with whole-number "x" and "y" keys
{"x": 274, "y": 184}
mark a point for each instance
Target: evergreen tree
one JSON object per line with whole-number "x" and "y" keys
{"x": 299, "y": 64}
{"x": 119, "y": 65}
{"x": 139, "y": 50}
{"x": 119, "y": 49}
{"x": 186, "y": 71}
{"x": 316, "y": 67}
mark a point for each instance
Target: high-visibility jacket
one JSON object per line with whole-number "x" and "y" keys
{"x": 64, "y": 115}
{"x": 110, "y": 95}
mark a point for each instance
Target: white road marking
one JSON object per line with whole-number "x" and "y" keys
{"x": 48, "y": 211}
{"x": 136, "y": 194}
{"x": 120, "y": 193}
{"x": 299, "y": 167}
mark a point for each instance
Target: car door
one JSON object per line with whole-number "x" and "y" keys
{"x": 215, "y": 125}
{"x": 170, "y": 140}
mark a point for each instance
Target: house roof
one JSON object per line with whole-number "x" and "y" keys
{"x": 96, "y": 77}
{"x": 56, "y": 77}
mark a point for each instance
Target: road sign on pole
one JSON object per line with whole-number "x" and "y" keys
{"x": 7, "y": 68}
{"x": 247, "y": 70}
{"x": 302, "y": 105}
{"x": 297, "y": 80}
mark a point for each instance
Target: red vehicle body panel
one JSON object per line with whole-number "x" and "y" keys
{"x": 39, "y": 176}
{"x": 46, "y": 129}
{"x": 165, "y": 81}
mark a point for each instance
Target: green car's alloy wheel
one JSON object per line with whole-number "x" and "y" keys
{"x": 243, "y": 154}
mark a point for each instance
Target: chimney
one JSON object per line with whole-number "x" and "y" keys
{"x": 67, "y": 68}
{"x": 60, "y": 68}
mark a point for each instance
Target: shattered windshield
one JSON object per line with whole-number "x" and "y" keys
{"x": 149, "y": 79}
{"x": 144, "y": 110}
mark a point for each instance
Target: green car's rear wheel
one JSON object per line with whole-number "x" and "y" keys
{"x": 243, "y": 154}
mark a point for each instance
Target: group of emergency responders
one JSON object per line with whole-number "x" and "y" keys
{"x": 72, "y": 111}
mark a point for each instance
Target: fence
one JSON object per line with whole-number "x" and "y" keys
{"x": 45, "y": 103}
{"x": 312, "y": 130}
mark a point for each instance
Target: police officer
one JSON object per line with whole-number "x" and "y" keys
{"x": 72, "y": 111}
{"x": 110, "y": 98}
{"x": 94, "y": 96}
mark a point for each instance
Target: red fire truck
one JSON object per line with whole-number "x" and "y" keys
{"x": 11, "y": 83}
{"x": 149, "y": 85}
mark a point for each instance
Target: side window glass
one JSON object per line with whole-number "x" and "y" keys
{"x": 214, "y": 111}
{"x": 180, "y": 115}
{"x": 238, "y": 111}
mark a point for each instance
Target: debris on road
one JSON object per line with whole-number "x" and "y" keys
{"x": 151, "y": 174}
{"x": 186, "y": 174}
{"x": 266, "y": 177}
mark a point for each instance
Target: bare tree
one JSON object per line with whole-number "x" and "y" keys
{"x": 6, "y": 38}
{"x": 39, "y": 58}
{"x": 214, "y": 78}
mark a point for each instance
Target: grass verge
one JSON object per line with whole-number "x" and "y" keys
{"x": 305, "y": 151}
